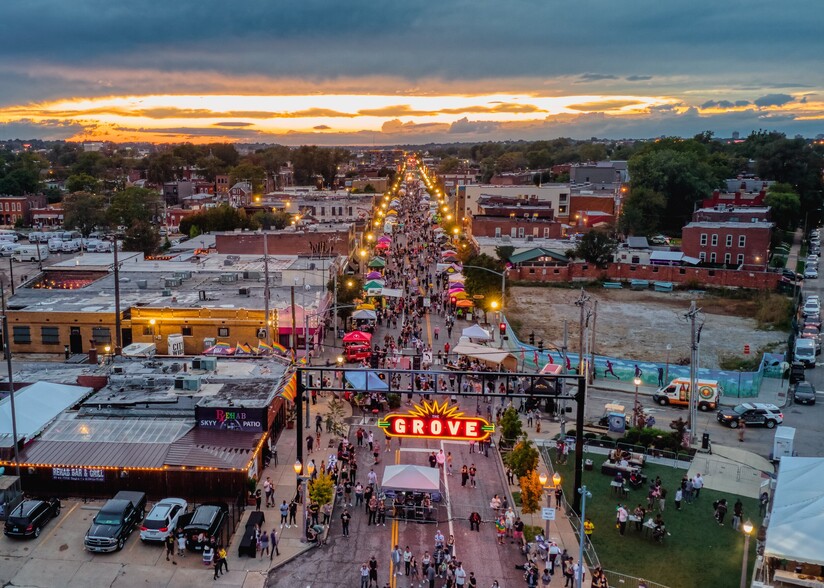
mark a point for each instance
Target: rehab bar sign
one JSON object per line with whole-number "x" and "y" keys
{"x": 434, "y": 420}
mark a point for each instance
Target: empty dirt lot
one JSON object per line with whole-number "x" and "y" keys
{"x": 640, "y": 325}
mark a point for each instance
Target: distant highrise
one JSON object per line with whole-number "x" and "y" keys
{"x": 735, "y": 135}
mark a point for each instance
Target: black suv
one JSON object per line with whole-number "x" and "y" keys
{"x": 30, "y": 516}
{"x": 207, "y": 521}
{"x": 752, "y": 414}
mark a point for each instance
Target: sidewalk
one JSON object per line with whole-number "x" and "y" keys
{"x": 795, "y": 250}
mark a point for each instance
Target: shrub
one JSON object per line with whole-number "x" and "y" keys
{"x": 523, "y": 458}
{"x": 322, "y": 489}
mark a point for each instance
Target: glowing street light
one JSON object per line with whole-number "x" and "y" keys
{"x": 637, "y": 382}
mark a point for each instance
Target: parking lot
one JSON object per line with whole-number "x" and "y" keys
{"x": 57, "y": 558}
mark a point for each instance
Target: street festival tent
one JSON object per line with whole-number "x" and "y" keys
{"x": 364, "y": 315}
{"x": 373, "y": 276}
{"x": 476, "y": 332}
{"x": 488, "y": 355}
{"x": 410, "y": 478}
{"x": 377, "y": 262}
{"x": 366, "y": 381}
{"x": 357, "y": 337}
{"x": 797, "y": 517}
{"x": 374, "y": 284}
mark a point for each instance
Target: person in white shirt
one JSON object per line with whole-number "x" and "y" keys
{"x": 622, "y": 516}
{"x": 697, "y": 484}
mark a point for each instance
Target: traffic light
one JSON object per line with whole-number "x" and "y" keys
{"x": 532, "y": 338}
{"x": 541, "y": 346}
{"x": 502, "y": 328}
{"x": 453, "y": 299}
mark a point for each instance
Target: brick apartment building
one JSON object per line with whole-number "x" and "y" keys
{"x": 729, "y": 213}
{"x": 728, "y": 243}
{"x": 18, "y": 208}
{"x": 515, "y": 227}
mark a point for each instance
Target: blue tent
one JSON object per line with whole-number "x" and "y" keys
{"x": 366, "y": 380}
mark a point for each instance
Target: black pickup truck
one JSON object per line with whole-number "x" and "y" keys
{"x": 115, "y": 522}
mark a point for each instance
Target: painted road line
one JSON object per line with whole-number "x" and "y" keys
{"x": 393, "y": 581}
{"x": 59, "y": 524}
{"x": 448, "y": 507}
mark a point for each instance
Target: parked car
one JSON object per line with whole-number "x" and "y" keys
{"x": 804, "y": 393}
{"x": 810, "y": 332}
{"x": 30, "y": 516}
{"x": 810, "y": 273}
{"x": 115, "y": 522}
{"x": 811, "y": 306}
{"x": 752, "y": 414}
{"x": 813, "y": 320}
{"x": 207, "y": 521}
{"x": 163, "y": 519}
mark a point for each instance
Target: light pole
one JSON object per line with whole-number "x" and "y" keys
{"x": 556, "y": 481}
{"x": 637, "y": 382}
{"x": 310, "y": 469}
{"x": 747, "y": 528}
{"x": 584, "y": 495}
{"x": 497, "y": 273}
{"x": 666, "y": 371}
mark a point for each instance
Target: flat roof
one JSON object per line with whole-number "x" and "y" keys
{"x": 729, "y": 225}
{"x": 36, "y": 406}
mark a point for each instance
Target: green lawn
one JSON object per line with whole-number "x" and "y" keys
{"x": 699, "y": 552}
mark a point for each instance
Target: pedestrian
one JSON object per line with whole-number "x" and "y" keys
{"x": 737, "y": 513}
{"x": 224, "y": 563}
{"x": 364, "y": 576}
{"x": 373, "y": 511}
{"x": 662, "y": 498}
{"x": 741, "y": 426}
{"x": 310, "y": 441}
{"x": 589, "y": 527}
{"x": 621, "y": 516}
{"x": 170, "y": 547}
{"x": 475, "y": 522}
{"x": 431, "y": 574}
{"x": 293, "y": 513}
{"x": 216, "y": 564}
{"x": 678, "y": 496}
{"x": 568, "y": 573}
{"x": 449, "y": 463}
{"x": 559, "y": 492}
{"x": 345, "y": 517}
{"x": 407, "y": 560}
{"x": 472, "y": 472}
{"x": 697, "y": 484}
{"x": 181, "y": 542}
{"x": 284, "y": 513}
{"x": 373, "y": 571}
{"x": 258, "y": 499}
{"x": 464, "y": 474}
{"x": 273, "y": 539}
{"x": 397, "y": 556}
{"x": 268, "y": 491}
{"x": 263, "y": 543}
{"x": 720, "y": 507}
{"x": 510, "y": 476}
{"x": 318, "y": 424}
{"x": 546, "y": 578}
{"x": 689, "y": 490}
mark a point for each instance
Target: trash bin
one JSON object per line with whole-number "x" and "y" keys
{"x": 588, "y": 465}
{"x": 705, "y": 441}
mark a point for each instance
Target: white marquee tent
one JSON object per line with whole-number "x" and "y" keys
{"x": 797, "y": 519}
{"x": 411, "y": 478}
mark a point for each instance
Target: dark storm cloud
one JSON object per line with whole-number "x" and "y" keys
{"x": 43, "y": 129}
{"x": 773, "y": 100}
{"x": 722, "y": 104}
{"x": 465, "y": 125}
{"x": 233, "y": 124}
{"x": 318, "y": 40}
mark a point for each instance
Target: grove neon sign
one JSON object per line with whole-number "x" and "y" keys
{"x": 434, "y": 420}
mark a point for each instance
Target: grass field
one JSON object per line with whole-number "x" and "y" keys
{"x": 698, "y": 552}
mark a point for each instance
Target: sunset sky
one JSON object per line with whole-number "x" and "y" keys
{"x": 378, "y": 73}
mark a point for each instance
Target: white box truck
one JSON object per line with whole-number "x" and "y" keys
{"x": 783, "y": 442}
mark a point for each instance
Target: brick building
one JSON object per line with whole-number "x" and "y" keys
{"x": 728, "y": 243}
{"x": 18, "y": 208}
{"x": 515, "y": 227}
{"x": 313, "y": 240}
{"x": 722, "y": 213}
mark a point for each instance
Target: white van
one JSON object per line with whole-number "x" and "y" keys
{"x": 7, "y": 248}
{"x": 31, "y": 253}
{"x": 71, "y": 246}
{"x": 805, "y": 351}
{"x": 55, "y": 245}
{"x": 7, "y": 235}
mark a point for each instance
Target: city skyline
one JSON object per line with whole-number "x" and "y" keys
{"x": 365, "y": 74}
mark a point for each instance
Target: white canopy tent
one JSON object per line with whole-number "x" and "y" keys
{"x": 797, "y": 518}
{"x": 476, "y": 332}
{"x": 411, "y": 478}
{"x": 364, "y": 314}
{"x": 489, "y": 355}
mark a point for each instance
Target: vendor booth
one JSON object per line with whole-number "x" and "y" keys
{"x": 414, "y": 492}
{"x": 489, "y": 356}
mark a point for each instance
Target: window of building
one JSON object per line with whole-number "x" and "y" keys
{"x": 101, "y": 335}
{"x": 727, "y": 258}
{"x": 323, "y": 211}
{"x": 546, "y": 232}
{"x": 714, "y": 240}
{"x": 223, "y": 331}
{"x": 562, "y": 197}
{"x": 562, "y": 209}
{"x": 340, "y": 210}
{"x": 739, "y": 259}
{"x": 729, "y": 240}
{"x": 332, "y": 210}
{"x": 742, "y": 240}
{"x": 521, "y": 232}
{"x": 50, "y": 335}
{"x": 702, "y": 256}
{"x": 534, "y": 231}
{"x": 349, "y": 211}
{"x": 148, "y": 330}
{"x": 497, "y": 231}
{"x": 186, "y": 331}
{"x": 21, "y": 335}
{"x": 712, "y": 257}
{"x": 703, "y": 239}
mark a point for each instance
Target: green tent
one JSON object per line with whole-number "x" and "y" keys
{"x": 377, "y": 262}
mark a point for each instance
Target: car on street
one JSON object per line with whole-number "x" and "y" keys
{"x": 811, "y": 306}
{"x": 30, "y": 516}
{"x": 115, "y": 521}
{"x": 810, "y": 273}
{"x": 163, "y": 519}
{"x": 810, "y": 332}
{"x": 751, "y": 414}
{"x": 804, "y": 393}
{"x": 813, "y": 320}
{"x": 207, "y": 521}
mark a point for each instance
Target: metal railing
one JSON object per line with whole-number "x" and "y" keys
{"x": 624, "y": 581}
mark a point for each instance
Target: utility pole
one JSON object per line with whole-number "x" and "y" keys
{"x": 266, "y": 288}
{"x": 562, "y": 383}
{"x": 306, "y": 356}
{"x": 581, "y": 303}
{"x": 294, "y": 339}
{"x": 118, "y": 341}
{"x": 592, "y": 338}
{"x": 7, "y": 342}
{"x": 693, "y": 312}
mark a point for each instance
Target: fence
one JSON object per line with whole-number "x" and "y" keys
{"x": 624, "y": 581}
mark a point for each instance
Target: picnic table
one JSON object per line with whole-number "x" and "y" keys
{"x": 619, "y": 488}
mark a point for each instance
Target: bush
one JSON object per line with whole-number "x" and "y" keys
{"x": 393, "y": 400}
{"x": 322, "y": 489}
{"x": 530, "y": 531}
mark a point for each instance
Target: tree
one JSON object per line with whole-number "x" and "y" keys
{"x": 349, "y": 290}
{"x": 163, "y": 167}
{"x": 84, "y": 212}
{"x": 134, "y": 204}
{"x": 82, "y": 183}
{"x": 504, "y": 252}
{"x": 449, "y": 165}
{"x": 641, "y": 212}
{"x": 531, "y": 492}
{"x": 523, "y": 458}
{"x": 785, "y": 206}
{"x": 141, "y": 236}
{"x": 596, "y": 247}
{"x": 480, "y": 282}
{"x": 322, "y": 489}
{"x": 249, "y": 172}
{"x": 511, "y": 427}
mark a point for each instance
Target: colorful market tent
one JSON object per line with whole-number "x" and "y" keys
{"x": 410, "y": 478}
{"x": 364, "y": 315}
{"x": 463, "y": 303}
{"x": 374, "y": 284}
{"x": 357, "y": 337}
{"x": 476, "y": 332}
{"x": 377, "y": 262}
{"x": 457, "y": 278}
{"x": 374, "y": 276}
{"x": 459, "y": 295}
{"x": 488, "y": 355}
{"x": 365, "y": 306}
{"x": 382, "y": 246}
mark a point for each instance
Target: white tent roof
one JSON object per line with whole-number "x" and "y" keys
{"x": 482, "y": 352}
{"x": 797, "y": 517}
{"x": 36, "y": 406}
{"x": 411, "y": 478}
{"x": 476, "y": 332}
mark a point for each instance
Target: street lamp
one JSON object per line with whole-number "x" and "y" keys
{"x": 304, "y": 480}
{"x": 556, "y": 481}
{"x": 747, "y": 528}
{"x": 666, "y": 372}
{"x": 637, "y": 382}
{"x": 584, "y": 495}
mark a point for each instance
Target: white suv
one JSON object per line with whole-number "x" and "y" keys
{"x": 163, "y": 519}
{"x": 811, "y": 306}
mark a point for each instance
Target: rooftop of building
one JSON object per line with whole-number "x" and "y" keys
{"x": 729, "y": 225}
{"x": 733, "y": 208}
